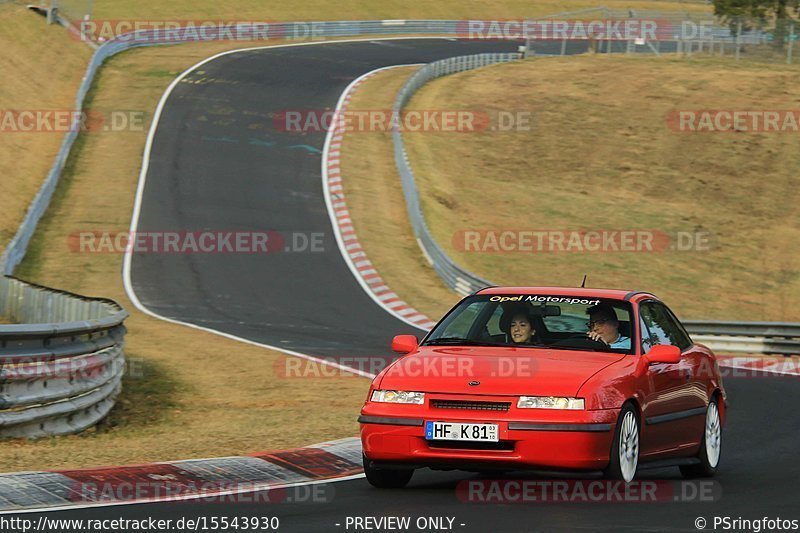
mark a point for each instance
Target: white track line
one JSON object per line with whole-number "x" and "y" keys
{"x": 137, "y": 207}
{"x": 126, "y": 267}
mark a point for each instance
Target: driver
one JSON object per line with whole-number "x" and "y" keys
{"x": 604, "y": 327}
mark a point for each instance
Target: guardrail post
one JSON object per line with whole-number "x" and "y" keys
{"x": 52, "y": 12}
{"x": 738, "y": 40}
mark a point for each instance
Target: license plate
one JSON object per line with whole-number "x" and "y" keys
{"x": 460, "y": 431}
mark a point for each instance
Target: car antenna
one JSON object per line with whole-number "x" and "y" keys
{"x": 583, "y": 283}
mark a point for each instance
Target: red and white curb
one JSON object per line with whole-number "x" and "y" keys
{"x": 221, "y": 479}
{"x": 346, "y": 237}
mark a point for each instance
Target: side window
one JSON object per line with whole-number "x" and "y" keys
{"x": 647, "y": 341}
{"x": 660, "y": 327}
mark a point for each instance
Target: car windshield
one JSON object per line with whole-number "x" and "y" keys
{"x": 537, "y": 321}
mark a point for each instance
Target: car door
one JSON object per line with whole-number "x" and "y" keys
{"x": 672, "y": 409}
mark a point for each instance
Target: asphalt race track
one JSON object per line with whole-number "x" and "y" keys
{"x": 210, "y": 169}
{"x": 757, "y": 478}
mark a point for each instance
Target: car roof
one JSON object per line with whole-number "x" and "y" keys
{"x": 613, "y": 294}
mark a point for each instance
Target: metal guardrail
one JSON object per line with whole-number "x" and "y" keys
{"x": 61, "y": 366}
{"x": 456, "y": 277}
{"x": 747, "y": 337}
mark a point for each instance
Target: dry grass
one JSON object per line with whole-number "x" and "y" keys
{"x": 360, "y": 9}
{"x": 34, "y": 78}
{"x": 189, "y": 393}
{"x": 601, "y": 157}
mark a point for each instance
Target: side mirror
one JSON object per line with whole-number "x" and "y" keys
{"x": 403, "y": 344}
{"x": 664, "y": 353}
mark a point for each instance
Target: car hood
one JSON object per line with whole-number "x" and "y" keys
{"x": 499, "y": 371}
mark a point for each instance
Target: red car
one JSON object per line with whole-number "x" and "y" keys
{"x": 546, "y": 378}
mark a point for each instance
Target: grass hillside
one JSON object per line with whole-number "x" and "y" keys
{"x": 360, "y": 9}
{"x": 601, "y": 156}
{"x": 42, "y": 70}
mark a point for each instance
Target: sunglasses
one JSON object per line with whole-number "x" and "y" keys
{"x": 592, "y": 323}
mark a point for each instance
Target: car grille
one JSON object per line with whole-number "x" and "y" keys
{"x": 501, "y": 446}
{"x": 471, "y": 406}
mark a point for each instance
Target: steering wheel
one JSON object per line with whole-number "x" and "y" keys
{"x": 580, "y": 340}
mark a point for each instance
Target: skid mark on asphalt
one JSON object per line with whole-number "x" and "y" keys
{"x": 306, "y": 147}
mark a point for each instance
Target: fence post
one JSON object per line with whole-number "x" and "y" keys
{"x": 738, "y": 40}
{"x": 791, "y": 44}
{"x": 52, "y": 13}
{"x": 527, "y": 38}
{"x": 564, "y": 46}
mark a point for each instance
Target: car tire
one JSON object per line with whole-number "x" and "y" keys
{"x": 624, "y": 458}
{"x": 710, "y": 446}
{"x": 386, "y": 478}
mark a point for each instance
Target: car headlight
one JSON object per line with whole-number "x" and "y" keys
{"x": 549, "y": 402}
{"x": 398, "y": 396}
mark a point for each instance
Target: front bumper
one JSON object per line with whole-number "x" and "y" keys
{"x": 529, "y": 438}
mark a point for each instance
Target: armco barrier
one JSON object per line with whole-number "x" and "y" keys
{"x": 747, "y": 337}
{"x": 457, "y": 278}
{"x": 61, "y": 367}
